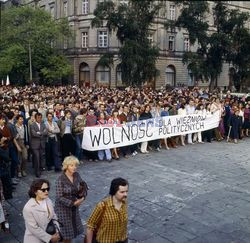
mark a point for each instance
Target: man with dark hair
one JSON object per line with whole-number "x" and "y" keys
{"x": 14, "y": 148}
{"x": 38, "y": 135}
{"x": 23, "y": 142}
{"x": 91, "y": 120}
{"x": 110, "y": 216}
{"x": 79, "y": 124}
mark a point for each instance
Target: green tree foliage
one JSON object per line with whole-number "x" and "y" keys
{"x": 222, "y": 41}
{"x": 132, "y": 24}
{"x": 24, "y": 26}
{"x": 239, "y": 53}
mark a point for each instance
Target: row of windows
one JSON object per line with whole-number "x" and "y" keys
{"x": 85, "y": 8}
{"x": 103, "y": 75}
{"x": 103, "y": 41}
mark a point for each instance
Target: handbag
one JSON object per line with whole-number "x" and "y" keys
{"x": 52, "y": 228}
{"x": 97, "y": 226}
{"x": 83, "y": 190}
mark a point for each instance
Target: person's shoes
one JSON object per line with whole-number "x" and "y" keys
{"x": 49, "y": 168}
{"x": 90, "y": 160}
{"x": 43, "y": 169}
{"x": 126, "y": 156}
{"x": 38, "y": 175}
{"x": 58, "y": 169}
{"x": 24, "y": 173}
{"x": 109, "y": 160}
{"x": 19, "y": 175}
{"x": 158, "y": 149}
{"x": 201, "y": 142}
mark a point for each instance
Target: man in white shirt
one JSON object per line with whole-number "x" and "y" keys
{"x": 190, "y": 109}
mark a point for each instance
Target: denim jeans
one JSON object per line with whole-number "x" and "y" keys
{"x": 103, "y": 153}
{"x": 79, "y": 151}
{"x": 51, "y": 150}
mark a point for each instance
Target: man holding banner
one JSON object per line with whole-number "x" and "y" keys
{"x": 190, "y": 108}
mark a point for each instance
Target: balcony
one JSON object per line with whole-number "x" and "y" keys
{"x": 90, "y": 50}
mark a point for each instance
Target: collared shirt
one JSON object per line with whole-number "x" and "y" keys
{"x": 114, "y": 222}
{"x": 20, "y": 131}
{"x": 68, "y": 125}
{"x": 39, "y": 125}
{"x": 190, "y": 109}
{"x": 52, "y": 128}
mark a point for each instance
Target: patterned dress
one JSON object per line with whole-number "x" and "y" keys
{"x": 68, "y": 214}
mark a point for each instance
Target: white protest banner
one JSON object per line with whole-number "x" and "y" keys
{"x": 113, "y": 136}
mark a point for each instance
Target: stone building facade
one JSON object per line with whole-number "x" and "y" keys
{"x": 85, "y": 50}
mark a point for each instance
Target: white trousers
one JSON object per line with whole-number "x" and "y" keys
{"x": 144, "y": 146}
{"x": 197, "y": 134}
{"x": 190, "y": 138}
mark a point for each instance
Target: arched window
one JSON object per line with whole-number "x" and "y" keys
{"x": 84, "y": 77}
{"x": 102, "y": 74}
{"x": 170, "y": 76}
{"x": 118, "y": 75}
{"x": 190, "y": 77}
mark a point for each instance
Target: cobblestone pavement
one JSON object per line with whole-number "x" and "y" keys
{"x": 197, "y": 193}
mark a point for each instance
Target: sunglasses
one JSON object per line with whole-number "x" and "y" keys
{"x": 45, "y": 189}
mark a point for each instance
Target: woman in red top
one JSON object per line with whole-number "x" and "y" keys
{"x": 5, "y": 134}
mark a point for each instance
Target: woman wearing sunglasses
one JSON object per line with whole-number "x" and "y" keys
{"x": 38, "y": 212}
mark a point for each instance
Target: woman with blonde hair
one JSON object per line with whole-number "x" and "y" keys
{"x": 71, "y": 191}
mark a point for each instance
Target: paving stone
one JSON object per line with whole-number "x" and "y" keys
{"x": 217, "y": 237}
{"x": 197, "y": 194}
{"x": 157, "y": 239}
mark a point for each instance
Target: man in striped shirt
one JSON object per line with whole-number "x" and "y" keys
{"x": 110, "y": 216}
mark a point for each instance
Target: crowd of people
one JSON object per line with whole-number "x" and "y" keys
{"x": 44, "y": 125}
